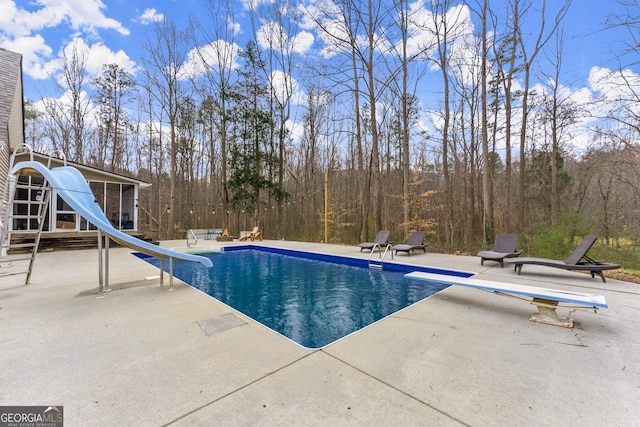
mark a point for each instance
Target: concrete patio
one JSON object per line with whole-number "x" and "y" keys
{"x": 142, "y": 356}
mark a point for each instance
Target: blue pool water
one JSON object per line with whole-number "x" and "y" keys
{"x": 311, "y": 301}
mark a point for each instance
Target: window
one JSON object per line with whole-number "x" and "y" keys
{"x": 26, "y": 203}
{"x": 66, "y": 217}
{"x": 117, "y": 202}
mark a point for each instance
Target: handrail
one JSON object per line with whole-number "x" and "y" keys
{"x": 375, "y": 245}
{"x": 63, "y": 157}
{"x": 380, "y": 253}
{"x": 190, "y": 231}
{"x": 24, "y": 148}
{"x": 387, "y": 249}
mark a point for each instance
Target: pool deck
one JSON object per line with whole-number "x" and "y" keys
{"x": 147, "y": 357}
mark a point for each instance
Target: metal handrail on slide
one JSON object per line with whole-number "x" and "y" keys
{"x": 382, "y": 255}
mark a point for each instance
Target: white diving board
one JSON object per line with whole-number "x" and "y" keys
{"x": 547, "y": 300}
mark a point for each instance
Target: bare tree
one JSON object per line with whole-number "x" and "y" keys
{"x": 487, "y": 206}
{"x": 218, "y": 56}
{"x": 404, "y": 84}
{"x": 556, "y": 119}
{"x": 115, "y": 89}
{"x": 505, "y": 55}
{"x": 443, "y": 26}
{"x": 352, "y": 29}
{"x": 75, "y": 76}
{"x": 66, "y": 118}
{"x": 164, "y": 60}
{"x": 277, "y": 35}
{"x": 528, "y": 57}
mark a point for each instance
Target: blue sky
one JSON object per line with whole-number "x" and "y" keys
{"x": 112, "y": 31}
{"x": 39, "y": 29}
{"x": 588, "y": 44}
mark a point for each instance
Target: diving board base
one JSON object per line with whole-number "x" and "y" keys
{"x": 547, "y": 314}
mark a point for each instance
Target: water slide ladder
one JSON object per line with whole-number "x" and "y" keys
{"x": 28, "y": 211}
{"x": 378, "y": 264}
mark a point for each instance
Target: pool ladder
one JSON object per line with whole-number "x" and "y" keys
{"x": 378, "y": 264}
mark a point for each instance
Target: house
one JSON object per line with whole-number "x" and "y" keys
{"x": 116, "y": 194}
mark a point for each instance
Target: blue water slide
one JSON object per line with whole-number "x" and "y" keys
{"x": 71, "y": 185}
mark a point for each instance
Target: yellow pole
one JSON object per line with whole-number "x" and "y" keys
{"x": 326, "y": 207}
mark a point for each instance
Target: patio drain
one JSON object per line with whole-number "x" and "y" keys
{"x": 219, "y": 324}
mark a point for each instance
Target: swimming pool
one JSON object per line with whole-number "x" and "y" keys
{"x": 312, "y": 299}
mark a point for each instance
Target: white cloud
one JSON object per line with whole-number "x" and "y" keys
{"x": 285, "y": 87}
{"x": 296, "y": 130}
{"x": 335, "y": 35}
{"x": 271, "y": 35}
{"x": 37, "y": 62}
{"x": 584, "y": 99}
{"x": 306, "y": 21}
{"x": 100, "y": 55}
{"x": 87, "y": 15}
{"x": 65, "y": 101}
{"x": 253, "y": 5}
{"x": 325, "y": 18}
{"x": 33, "y": 49}
{"x": 615, "y": 92}
{"x": 216, "y": 54}
{"x": 234, "y": 26}
{"x": 302, "y": 42}
{"x": 614, "y": 85}
{"x": 95, "y": 56}
{"x": 12, "y": 21}
{"x": 149, "y": 16}
{"x": 21, "y": 29}
{"x": 82, "y": 15}
{"x": 423, "y": 28}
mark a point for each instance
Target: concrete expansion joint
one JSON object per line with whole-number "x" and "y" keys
{"x": 422, "y": 402}
{"x": 231, "y": 392}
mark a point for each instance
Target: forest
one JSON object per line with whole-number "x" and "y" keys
{"x": 440, "y": 119}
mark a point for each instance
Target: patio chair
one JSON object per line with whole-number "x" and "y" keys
{"x": 382, "y": 239}
{"x": 505, "y": 247}
{"x": 577, "y": 261}
{"x": 254, "y": 234}
{"x": 414, "y": 242}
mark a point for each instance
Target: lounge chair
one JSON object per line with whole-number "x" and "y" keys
{"x": 414, "y": 242}
{"x": 254, "y": 234}
{"x": 505, "y": 247}
{"x": 382, "y": 239}
{"x": 577, "y": 261}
